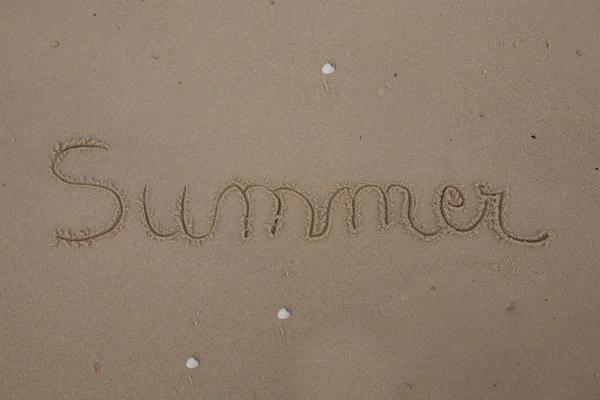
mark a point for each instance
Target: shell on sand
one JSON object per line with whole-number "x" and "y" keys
{"x": 284, "y": 313}
{"x": 192, "y": 362}
{"x": 328, "y": 68}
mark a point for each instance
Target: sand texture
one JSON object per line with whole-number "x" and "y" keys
{"x": 173, "y": 173}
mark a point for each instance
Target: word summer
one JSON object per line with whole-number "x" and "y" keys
{"x": 397, "y": 205}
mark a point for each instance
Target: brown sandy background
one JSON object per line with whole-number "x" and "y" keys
{"x": 424, "y": 92}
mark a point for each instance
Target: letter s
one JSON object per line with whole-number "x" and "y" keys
{"x": 87, "y": 236}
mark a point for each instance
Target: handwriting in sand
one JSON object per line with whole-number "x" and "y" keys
{"x": 397, "y": 205}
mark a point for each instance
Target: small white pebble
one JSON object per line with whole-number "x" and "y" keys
{"x": 192, "y": 363}
{"x": 328, "y": 68}
{"x": 284, "y": 313}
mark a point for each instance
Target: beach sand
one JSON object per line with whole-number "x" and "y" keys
{"x": 175, "y": 172}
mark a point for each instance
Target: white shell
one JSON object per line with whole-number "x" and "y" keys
{"x": 192, "y": 362}
{"x": 328, "y": 68}
{"x": 284, "y": 313}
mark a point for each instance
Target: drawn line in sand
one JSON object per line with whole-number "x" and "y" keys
{"x": 397, "y": 204}
{"x": 87, "y": 236}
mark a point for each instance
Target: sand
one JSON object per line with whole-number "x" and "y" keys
{"x": 174, "y": 173}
